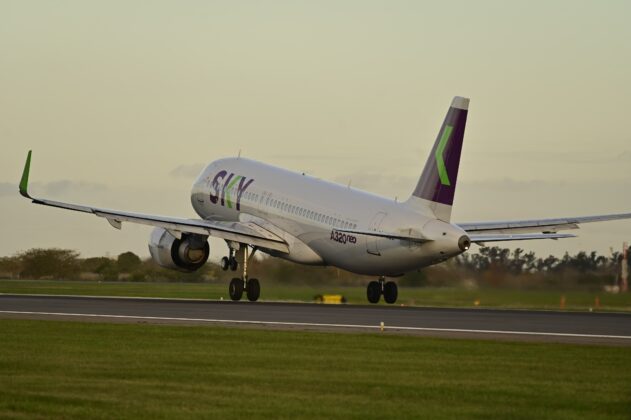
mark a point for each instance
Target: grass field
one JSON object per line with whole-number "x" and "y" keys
{"x": 451, "y": 297}
{"x": 52, "y": 369}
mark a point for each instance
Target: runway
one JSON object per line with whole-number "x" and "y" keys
{"x": 551, "y": 326}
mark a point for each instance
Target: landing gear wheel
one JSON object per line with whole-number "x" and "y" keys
{"x": 224, "y": 263}
{"x": 236, "y": 289}
{"x": 234, "y": 264}
{"x": 253, "y": 290}
{"x": 390, "y": 292}
{"x": 373, "y": 292}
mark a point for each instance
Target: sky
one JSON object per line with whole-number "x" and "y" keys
{"x": 123, "y": 102}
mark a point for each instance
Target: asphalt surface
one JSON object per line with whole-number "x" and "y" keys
{"x": 576, "y": 327}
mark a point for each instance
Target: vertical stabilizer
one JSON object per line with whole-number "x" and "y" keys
{"x": 437, "y": 186}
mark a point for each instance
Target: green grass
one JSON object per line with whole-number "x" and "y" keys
{"x": 451, "y": 297}
{"x": 52, "y": 369}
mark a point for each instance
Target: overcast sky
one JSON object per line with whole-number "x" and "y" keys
{"x": 123, "y": 102}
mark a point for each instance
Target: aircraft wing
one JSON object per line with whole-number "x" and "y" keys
{"x": 531, "y": 229}
{"x": 233, "y": 231}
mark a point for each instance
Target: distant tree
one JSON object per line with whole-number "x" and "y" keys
{"x": 55, "y": 263}
{"x": 128, "y": 262}
{"x": 546, "y": 265}
{"x": 96, "y": 264}
{"x": 10, "y": 267}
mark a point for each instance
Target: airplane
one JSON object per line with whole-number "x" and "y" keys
{"x": 254, "y": 207}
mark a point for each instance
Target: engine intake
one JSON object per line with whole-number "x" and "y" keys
{"x": 187, "y": 254}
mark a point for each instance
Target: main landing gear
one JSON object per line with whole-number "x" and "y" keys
{"x": 388, "y": 289}
{"x": 238, "y": 285}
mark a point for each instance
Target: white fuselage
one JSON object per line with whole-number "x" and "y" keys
{"x": 306, "y": 212}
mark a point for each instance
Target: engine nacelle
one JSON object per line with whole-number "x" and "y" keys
{"x": 187, "y": 254}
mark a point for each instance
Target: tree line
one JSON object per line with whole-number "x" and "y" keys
{"x": 489, "y": 267}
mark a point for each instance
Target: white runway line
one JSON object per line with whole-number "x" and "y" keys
{"x": 227, "y": 300}
{"x": 312, "y": 324}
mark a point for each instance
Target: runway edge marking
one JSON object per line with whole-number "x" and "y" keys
{"x": 289, "y": 301}
{"x": 312, "y": 324}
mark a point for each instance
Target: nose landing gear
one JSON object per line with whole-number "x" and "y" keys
{"x": 229, "y": 262}
{"x": 375, "y": 289}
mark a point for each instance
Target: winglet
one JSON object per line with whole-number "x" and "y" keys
{"x": 24, "y": 180}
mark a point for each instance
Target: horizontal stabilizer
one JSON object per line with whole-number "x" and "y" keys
{"x": 480, "y": 239}
{"x": 540, "y": 225}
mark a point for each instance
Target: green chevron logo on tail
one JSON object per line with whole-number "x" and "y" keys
{"x": 440, "y": 163}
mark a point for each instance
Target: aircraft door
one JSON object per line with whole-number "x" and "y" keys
{"x": 371, "y": 241}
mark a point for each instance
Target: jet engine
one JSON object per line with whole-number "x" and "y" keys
{"x": 186, "y": 254}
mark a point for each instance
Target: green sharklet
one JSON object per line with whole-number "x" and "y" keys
{"x": 24, "y": 180}
{"x": 440, "y": 163}
{"x": 229, "y": 190}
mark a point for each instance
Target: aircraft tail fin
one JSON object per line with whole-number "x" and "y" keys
{"x": 437, "y": 184}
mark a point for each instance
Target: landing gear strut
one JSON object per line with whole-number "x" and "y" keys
{"x": 388, "y": 289}
{"x": 251, "y": 287}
